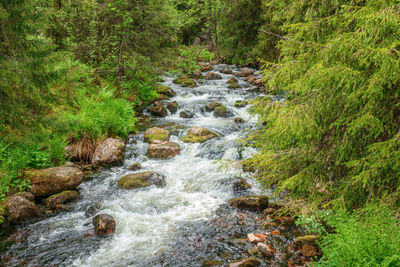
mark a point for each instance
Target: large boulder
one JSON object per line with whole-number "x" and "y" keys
{"x": 220, "y": 111}
{"x": 165, "y": 90}
{"x": 185, "y": 82}
{"x": 213, "y": 76}
{"x": 198, "y": 135}
{"x": 210, "y": 107}
{"x": 64, "y": 197}
{"x": 158, "y": 110}
{"x": 250, "y": 202}
{"x": 19, "y": 209}
{"x": 172, "y": 106}
{"x": 244, "y": 72}
{"x": 156, "y": 133}
{"x": 163, "y": 149}
{"x": 51, "y": 181}
{"x": 104, "y": 225}
{"x": 109, "y": 153}
{"x": 142, "y": 179}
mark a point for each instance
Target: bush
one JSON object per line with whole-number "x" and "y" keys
{"x": 368, "y": 237}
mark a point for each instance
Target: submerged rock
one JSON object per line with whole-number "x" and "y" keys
{"x": 20, "y": 209}
{"x": 250, "y": 202}
{"x": 185, "y": 82}
{"x": 220, "y": 111}
{"x": 172, "y": 106}
{"x": 142, "y": 179}
{"x": 239, "y": 120}
{"x": 158, "y": 110}
{"x": 109, "y": 153}
{"x": 198, "y": 135}
{"x": 186, "y": 114}
{"x": 249, "y": 262}
{"x": 211, "y": 107}
{"x": 61, "y": 198}
{"x": 93, "y": 209}
{"x": 234, "y": 86}
{"x": 51, "y": 181}
{"x": 156, "y": 133}
{"x": 213, "y": 76}
{"x": 163, "y": 149}
{"x": 104, "y": 225}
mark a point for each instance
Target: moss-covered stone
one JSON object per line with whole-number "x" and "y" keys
{"x": 250, "y": 202}
{"x": 211, "y": 107}
{"x": 61, "y": 198}
{"x": 165, "y": 90}
{"x": 234, "y": 86}
{"x": 212, "y": 263}
{"x": 248, "y": 262}
{"x": 306, "y": 239}
{"x": 142, "y": 179}
{"x": 172, "y": 106}
{"x": 241, "y": 104}
{"x": 220, "y": 111}
{"x": 232, "y": 80}
{"x": 3, "y": 212}
{"x": 198, "y": 135}
{"x": 135, "y": 166}
{"x": 162, "y": 97}
{"x": 185, "y": 82}
{"x": 156, "y": 133}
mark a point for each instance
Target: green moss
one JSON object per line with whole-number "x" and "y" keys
{"x": 220, "y": 111}
{"x": 156, "y": 133}
{"x": 197, "y": 139}
{"x": 233, "y": 86}
{"x": 3, "y": 211}
{"x": 185, "y": 82}
{"x": 136, "y": 180}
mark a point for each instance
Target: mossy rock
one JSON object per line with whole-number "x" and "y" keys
{"x": 162, "y": 97}
{"x": 212, "y": 263}
{"x": 61, "y": 198}
{"x": 248, "y": 262}
{"x": 198, "y": 135}
{"x": 241, "y": 104}
{"x": 3, "y": 212}
{"x": 250, "y": 202}
{"x": 220, "y": 111}
{"x": 185, "y": 82}
{"x": 307, "y": 239}
{"x": 135, "y": 166}
{"x": 156, "y": 133}
{"x": 211, "y": 107}
{"x": 232, "y": 80}
{"x": 142, "y": 179}
{"x": 165, "y": 90}
{"x": 233, "y": 86}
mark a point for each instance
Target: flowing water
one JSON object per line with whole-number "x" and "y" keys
{"x": 182, "y": 224}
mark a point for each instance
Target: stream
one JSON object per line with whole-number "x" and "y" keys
{"x": 186, "y": 223}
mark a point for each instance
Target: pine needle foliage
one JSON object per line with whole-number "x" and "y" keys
{"x": 335, "y": 139}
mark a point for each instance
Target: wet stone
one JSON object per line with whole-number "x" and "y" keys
{"x": 104, "y": 225}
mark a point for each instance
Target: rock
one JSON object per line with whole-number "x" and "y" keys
{"x": 232, "y": 80}
{"x": 27, "y": 195}
{"x": 241, "y": 104}
{"x": 220, "y": 111}
{"x": 250, "y": 202}
{"x": 135, "y": 166}
{"x": 93, "y": 209}
{"x": 156, "y": 133}
{"x": 241, "y": 185}
{"x": 250, "y": 79}
{"x": 61, "y": 198}
{"x": 239, "y": 120}
{"x": 205, "y": 67}
{"x": 212, "y": 106}
{"x": 244, "y": 72}
{"x": 213, "y": 76}
{"x": 196, "y": 74}
{"x": 198, "y": 135}
{"x": 104, "y": 225}
{"x": 161, "y": 97}
{"x": 172, "y": 106}
{"x": 165, "y": 90}
{"x": 227, "y": 71}
{"x": 51, "y": 181}
{"x": 256, "y": 238}
{"x": 142, "y": 179}
{"x": 258, "y": 82}
{"x": 158, "y": 110}
{"x": 185, "y": 82}
{"x": 186, "y": 114}
{"x": 266, "y": 250}
{"x": 19, "y": 209}
{"x": 233, "y": 86}
{"x": 212, "y": 263}
{"x": 163, "y": 149}
{"x": 249, "y": 262}
{"x": 309, "y": 250}
{"x": 109, "y": 153}
{"x": 306, "y": 239}
{"x": 71, "y": 153}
